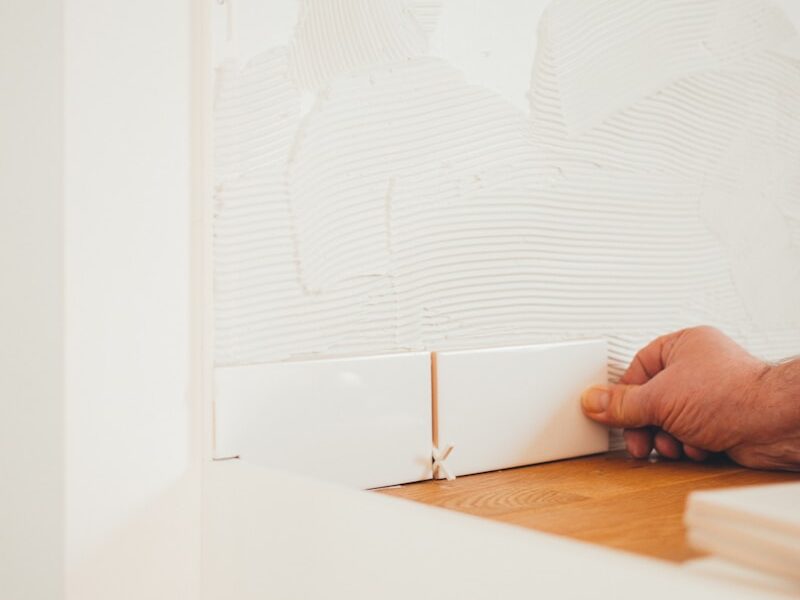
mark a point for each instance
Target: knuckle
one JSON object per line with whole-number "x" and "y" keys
{"x": 705, "y": 330}
{"x": 743, "y": 457}
{"x": 619, "y": 402}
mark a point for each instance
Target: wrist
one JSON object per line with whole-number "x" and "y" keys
{"x": 775, "y": 389}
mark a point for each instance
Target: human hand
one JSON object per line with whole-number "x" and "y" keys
{"x": 696, "y": 391}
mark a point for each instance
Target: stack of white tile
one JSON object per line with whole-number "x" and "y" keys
{"x": 758, "y": 527}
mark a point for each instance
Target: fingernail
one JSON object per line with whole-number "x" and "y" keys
{"x": 596, "y": 399}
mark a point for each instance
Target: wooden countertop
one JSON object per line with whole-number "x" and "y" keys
{"x": 608, "y": 499}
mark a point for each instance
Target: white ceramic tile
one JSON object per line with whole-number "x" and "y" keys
{"x": 741, "y": 576}
{"x": 360, "y": 421}
{"x": 764, "y": 551}
{"x": 508, "y": 407}
{"x": 756, "y": 526}
{"x": 772, "y": 506}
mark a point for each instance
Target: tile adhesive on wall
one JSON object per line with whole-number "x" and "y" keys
{"x": 369, "y": 198}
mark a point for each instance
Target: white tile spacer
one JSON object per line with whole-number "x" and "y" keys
{"x": 440, "y": 470}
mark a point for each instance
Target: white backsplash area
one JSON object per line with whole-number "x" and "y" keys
{"x": 404, "y": 175}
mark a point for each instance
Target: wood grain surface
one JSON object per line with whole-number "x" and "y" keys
{"x": 609, "y": 499}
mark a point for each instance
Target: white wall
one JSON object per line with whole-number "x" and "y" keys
{"x": 398, "y": 175}
{"x": 100, "y": 428}
{"x": 133, "y": 487}
{"x": 31, "y": 302}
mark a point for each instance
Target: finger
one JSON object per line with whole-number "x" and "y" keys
{"x": 628, "y": 406}
{"x": 639, "y": 442}
{"x": 648, "y": 362}
{"x": 697, "y": 454}
{"x": 667, "y": 446}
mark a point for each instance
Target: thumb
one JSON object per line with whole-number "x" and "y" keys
{"x": 619, "y": 405}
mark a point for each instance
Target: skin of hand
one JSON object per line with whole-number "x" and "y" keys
{"x": 696, "y": 391}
